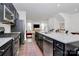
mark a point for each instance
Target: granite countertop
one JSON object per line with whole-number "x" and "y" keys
{"x": 16, "y": 32}
{"x": 62, "y": 37}
{"x": 4, "y": 40}
{"x": 12, "y": 34}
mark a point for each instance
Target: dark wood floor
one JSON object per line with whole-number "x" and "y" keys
{"x": 30, "y": 48}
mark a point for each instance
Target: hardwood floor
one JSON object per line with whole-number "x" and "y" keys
{"x": 30, "y": 48}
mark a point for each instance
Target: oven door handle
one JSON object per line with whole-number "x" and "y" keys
{"x": 3, "y": 50}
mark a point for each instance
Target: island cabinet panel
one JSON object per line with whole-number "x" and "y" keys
{"x": 70, "y": 50}
{"x": 62, "y": 49}
{"x": 47, "y": 47}
{"x": 58, "y": 48}
{"x": 39, "y": 40}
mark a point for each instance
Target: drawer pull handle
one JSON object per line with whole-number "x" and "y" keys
{"x": 3, "y": 50}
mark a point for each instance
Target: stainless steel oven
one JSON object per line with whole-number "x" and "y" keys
{"x": 15, "y": 43}
{"x": 6, "y": 49}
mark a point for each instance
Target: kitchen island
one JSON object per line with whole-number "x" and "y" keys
{"x": 59, "y": 43}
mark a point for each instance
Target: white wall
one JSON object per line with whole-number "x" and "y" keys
{"x": 22, "y": 16}
{"x": 7, "y": 27}
{"x": 39, "y": 21}
{"x": 66, "y": 18}
{"x": 74, "y": 23}
{"x": 50, "y": 23}
{"x": 71, "y": 22}
{"x": 54, "y": 22}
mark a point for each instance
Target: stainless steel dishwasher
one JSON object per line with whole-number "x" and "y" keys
{"x": 47, "y": 46}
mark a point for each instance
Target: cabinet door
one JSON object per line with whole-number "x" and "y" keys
{"x": 9, "y": 6}
{"x": 12, "y": 8}
{"x": 1, "y": 11}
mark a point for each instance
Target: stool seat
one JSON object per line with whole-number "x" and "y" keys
{"x": 27, "y": 34}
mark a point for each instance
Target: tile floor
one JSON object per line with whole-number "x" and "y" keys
{"x": 30, "y": 48}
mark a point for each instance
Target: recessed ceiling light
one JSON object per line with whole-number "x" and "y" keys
{"x": 75, "y": 9}
{"x": 58, "y": 5}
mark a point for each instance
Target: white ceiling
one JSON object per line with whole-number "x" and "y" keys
{"x": 46, "y": 10}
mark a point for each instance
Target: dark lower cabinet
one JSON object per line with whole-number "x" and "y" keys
{"x": 58, "y": 48}
{"x": 15, "y": 46}
{"x": 62, "y": 49}
{"x": 57, "y": 52}
{"x": 39, "y": 40}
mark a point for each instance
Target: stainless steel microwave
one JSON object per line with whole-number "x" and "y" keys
{"x": 8, "y": 15}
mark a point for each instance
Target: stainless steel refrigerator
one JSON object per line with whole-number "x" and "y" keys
{"x": 19, "y": 27}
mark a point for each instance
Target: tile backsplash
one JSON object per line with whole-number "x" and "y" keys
{"x": 7, "y": 27}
